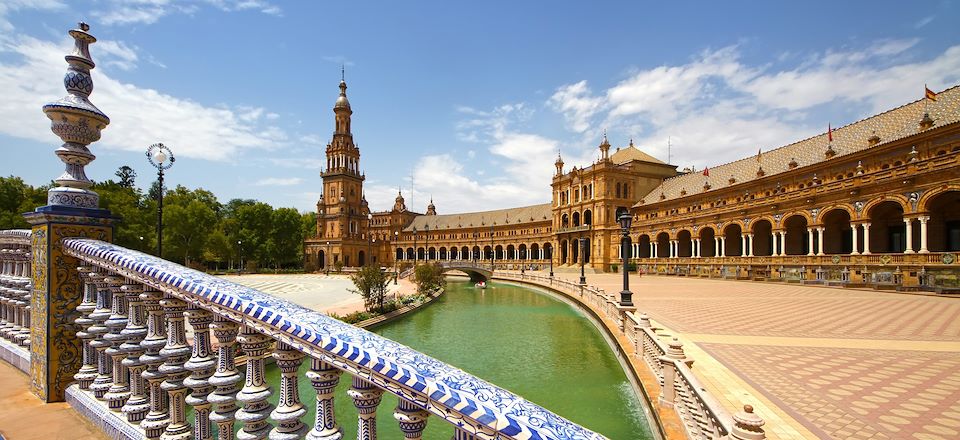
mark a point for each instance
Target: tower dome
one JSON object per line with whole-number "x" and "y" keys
{"x": 342, "y": 101}
{"x": 431, "y": 210}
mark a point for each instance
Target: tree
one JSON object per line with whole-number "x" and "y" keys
{"x": 371, "y": 283}
{"x": 286, "y": 238}
{"x": 126, "y": 175}
{"x": 309, "y": 224}
{"x": 13, "y": 194}
{"x": 188, "y": 227}
{"x": 429, "y": 278}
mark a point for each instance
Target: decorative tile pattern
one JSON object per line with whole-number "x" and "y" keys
{"x": 448, "y": 392}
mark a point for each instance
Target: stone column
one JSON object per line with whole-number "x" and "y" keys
{"x": 783, "y": 243}
{"x": 866, "y": 239}
{"x": 810, "y": 241}
{"x": 723, "y": 246}
{"x": 139, "y": 402}
{"x": 227, "y": 379}
{"x": 776, "y": 243}
{"x": 119, "y": 392}
{"x": 820, "y": 230}
{"x": 201, "y": 366}
{"x": 256, "y": 390}
{"x": 716, "y": 246}
{"x": 750, "y": 244}
{"x": 366, "y": 397}
{"x": 412, "y": 419}
{"x": 289, "y": 410}
{"x": 71, "y": 211}
{"x": 157, "y": 419}
{"x": 855, "y": 239}
{"x": 653, "y": 253}
{"x": 88, "y": 371}
{"x": 909, "y": 228}
{"x": 923, "y": 234}
{"x": 324, "y": 379}
{"x": 743, "y": 244}
{"x": 99, "y": 315}
{"x": 175, "y": 353}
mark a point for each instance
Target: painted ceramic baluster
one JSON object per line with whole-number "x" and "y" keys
{"x": 227, "y": 379}
{"x": 26, "y": 292}
{"x": 366, "y": 397}
{"x": 255, "y": 390}
{"x": 99, "y": 315}
{"x": 119, "y": 392}
{"x": 201, "y": 365}
{"x": 412, "y": 419}
{"x": 139, "y": 403}
{"x": 175, "y": 354}
{"x": 290, "y": 409}
{"x": 88, "y": 371}
{"x": 159, "y": 417}
{"x": 324, "y": 379}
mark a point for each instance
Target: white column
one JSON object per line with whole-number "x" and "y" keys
{"x": 620, "y": 251}
{"x": 774, "y": 235}
{"x": 696, "y": 248}
{"x": 716, "y": 246}
{"x": 909, "y": 223}
{"x": 923, "y": 234}
{"x": 856, "y": 245}
{"x": 656, "y": 250}
{"x": 866, "y": 239}
{"x": 820, "y": 240}
{"x": 750, "y": 244}
{"x": 723, "y": 246}
{"x": 810, "y": 241}
{"x": 743, "y": 244}
{"x": 783, "y": 243}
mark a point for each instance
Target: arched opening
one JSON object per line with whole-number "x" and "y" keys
{"x": 684, "y": 244}
{"x": 465, "y": 253}
{"x": 421, "y": 253}
{"x": 499, "y": 252}
{"x": 564, "y": 245}
{"x": 943, "y": 228}
{"x": 762, "y": 238}
{"x": 888, "y": 233}
{"x": 733, "y": 235}
{"x": 796, "y": 242}
{"x": 575, "y": 248}
{"x": 410, "y": 253}
{"x": 535, "y": 252}
{"x": 586, "y": 249}
{"x": 576, "y": 219}
{"x": 361, "y": 258}
{"x": 708, "y": 243}
{"x": 837, "y": 233}
{"x": 432, "y": 255}
{"x": 587, "y": 217}
{"x": 663, "y": 245}
{"x": 322, "y": 259}
{"x": 627, "y": 247}
{"x": 522, "y": 250}
{"x": 564, "y": 221}
{"x": 511, "y": 252}
{"x": 643, "y": 242}
{"x": 548, "y": 251}
{"x": 443, "y": 253}
{"x": 476, "y": 253}
{"x": 399, "y": 254}
{"x": 487, "y": 253}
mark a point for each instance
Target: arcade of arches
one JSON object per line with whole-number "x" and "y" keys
{"x": 878, "y": 204}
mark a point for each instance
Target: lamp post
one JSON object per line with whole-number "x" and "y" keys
{"x": 162, "y": 159}
{"x": 523, "y": 261}
{"x": 240, "y": 254}
{"x": 550, "y": 252}
{"x": 493, "y": 251}
{"x": 326, "y": 264}
{"x": 583, "y": 259}
{"x": 626, "y": 296}
{"x": 369, "y": 257}
{"x": 426, "y": 247}
{"x": 416, "y": 253}
{"x": 396, "y": 261}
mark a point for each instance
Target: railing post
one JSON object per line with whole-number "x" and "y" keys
{"x": 88, "y": 371}
{"x": 139, "y": 403}
{"x": 366, "y": 397}
{"x": 201, "y": 366}
{"x": 175, "y": 354}
{"x": 290, "y": 409}
{"x": 324, "y": 379}
{"x": 255, "y": 390}
{"x": 227, "y": 379}
{"x": 747, "y": 425}
{"x": 119, "y": 392}
{"x": 669, "y": 393}
{"x": 157, "y": 419}
{"x": 99, "y": 315}
{"x": 412, "y": 419}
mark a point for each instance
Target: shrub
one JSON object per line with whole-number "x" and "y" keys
{"x": 429, "y": 277}
{"x": 338, "y": 266}
{"x": 371, "y": 283}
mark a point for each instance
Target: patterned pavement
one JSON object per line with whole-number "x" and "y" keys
{"x": 841, "y": 363}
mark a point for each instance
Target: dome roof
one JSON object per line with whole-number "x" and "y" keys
{"x": 342, "y": 101}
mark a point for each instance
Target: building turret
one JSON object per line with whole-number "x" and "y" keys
{"x": 559, "y": 164}
{"x": 399, "y": 205}
{"x": 431, "y": 210}
{"x": 604, "y": 148}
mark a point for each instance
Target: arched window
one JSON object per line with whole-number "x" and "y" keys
{"x": 618, "y": 190}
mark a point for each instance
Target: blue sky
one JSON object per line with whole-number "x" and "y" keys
{"x": 466, "y": 102}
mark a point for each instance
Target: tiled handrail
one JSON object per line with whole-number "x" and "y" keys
{"x": 702, "y": 415}
{"x": 378, "y": 364}
{"x": 15, "y": 287}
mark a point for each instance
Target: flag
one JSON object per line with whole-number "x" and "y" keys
{"x": 706, "y": 171}
{"x": 829, "y": 133}
{"x": 929, "y": 93}
{"x": 759, "y": 154}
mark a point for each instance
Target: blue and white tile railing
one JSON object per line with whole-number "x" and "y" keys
{"x": 137, "y": 361}
{"x": 15, "y": 289}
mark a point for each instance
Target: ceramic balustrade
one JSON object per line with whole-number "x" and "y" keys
{"x": 15, "y": 287}
{"x": 149, "y": 356}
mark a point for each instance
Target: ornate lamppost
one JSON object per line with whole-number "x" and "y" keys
{"x": 472, "y": 252}
{"x": 162, "y": 159}
{"x": 493, "y": 251}
{"x": 626, "y": 296}
{"x": 426, "y": 247}
{"x": 369, "y": 258}
{"x": 326, "y": 264}
{"x": 550, "y": 252}
{"x": 416, "y": 253}
{"x": 583, "y": 259}
{"x": 240, "y": 254}
{"x": 396, "y": 261}
{"x": 523, "y": 261}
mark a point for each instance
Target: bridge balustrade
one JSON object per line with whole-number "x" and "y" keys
{"x": 15, "y": 291}
{"x": 140, "y": 366}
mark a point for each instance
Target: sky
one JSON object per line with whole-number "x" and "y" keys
{"x": 465, "y": 102}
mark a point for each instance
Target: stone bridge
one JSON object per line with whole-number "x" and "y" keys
{"x": 476, "y": 272}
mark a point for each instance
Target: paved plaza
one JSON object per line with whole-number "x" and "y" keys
{"x": 323, "y": 293}
{"x": 824, "y": 362}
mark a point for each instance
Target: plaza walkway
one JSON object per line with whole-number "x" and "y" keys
{"x": 323, "y": 293}
{"x": 24, "y": 417}
{"x": 824, "y": 362}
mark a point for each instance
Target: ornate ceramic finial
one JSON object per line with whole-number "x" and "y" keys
{"x": 78, "y": 123}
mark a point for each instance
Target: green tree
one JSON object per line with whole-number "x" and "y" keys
{"x": 371, "y": 284}
{"x": 136, "y": 226}
{"x": 13, "y": 194}
{"x": 429, "y": 277}
{"x": 254, "y": 223}
{"x": 308, "y": 223}
{"x": 286, "y": 238}
{"x": 219, "y": 248}
{"x": 126, "y": 175}
{"x": 187, "y": 228}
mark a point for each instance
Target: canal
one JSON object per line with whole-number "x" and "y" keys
{"x": 518, "y": 338}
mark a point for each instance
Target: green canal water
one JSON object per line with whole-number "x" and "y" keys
{"x": 517, "y": 338}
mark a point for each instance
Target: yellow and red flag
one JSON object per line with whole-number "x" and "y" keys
{"x": 929, "y": 93}
{"x": 706, "y": 171}
{"x": 829, "y": 133}
{"x": 759, "y": 153}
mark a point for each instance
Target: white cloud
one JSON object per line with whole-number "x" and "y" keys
{"x": 120, "y": 12}
{"x": 8, "y": 6}
{"x": 140, "y": 116}
{"x": 117, "y": 54}
{"x": 278, "y": 181}
{"x": 576, "y": 105}
{"x": 924, "y": 21}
